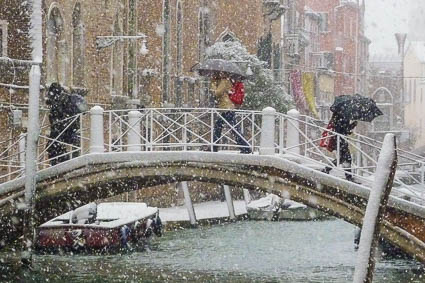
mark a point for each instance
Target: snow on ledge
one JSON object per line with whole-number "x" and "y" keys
{"x": 140, "y": 159}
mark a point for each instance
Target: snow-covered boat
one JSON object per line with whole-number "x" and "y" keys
{"x": 266, "y": 208}
{"x": 272, "y": 207}
{"x": 103, "y": 226}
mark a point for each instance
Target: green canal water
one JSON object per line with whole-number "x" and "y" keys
{"x": 248, "y": 251}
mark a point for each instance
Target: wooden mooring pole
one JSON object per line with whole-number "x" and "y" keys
{"x": 378, "y": 199}
{"x": 188, "y": 202}
{"x": 229, "y": 200}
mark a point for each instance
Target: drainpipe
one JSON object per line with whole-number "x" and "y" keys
{"x": 165, "y": 54}
{"x": 132, "y": 63}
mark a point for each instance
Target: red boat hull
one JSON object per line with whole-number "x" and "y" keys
{"x": 87, "y": 238}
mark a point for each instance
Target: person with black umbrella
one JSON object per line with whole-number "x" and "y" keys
{"x": 343, "y": 126}
{"x": 221, "y": 85}
{"x": 225, "y": 81}
{"x": 347, "y": 108}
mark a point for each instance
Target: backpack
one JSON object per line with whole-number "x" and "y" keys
{"x": 237, "y": 93}
{"x": 328, "y": 140}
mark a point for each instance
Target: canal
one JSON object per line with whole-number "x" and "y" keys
{"x": 247, "y": 251}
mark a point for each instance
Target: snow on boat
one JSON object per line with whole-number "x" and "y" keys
{"x": 103, "y": 226}
{"x": 266, "y": 208}
{"x": 272, "y": 207}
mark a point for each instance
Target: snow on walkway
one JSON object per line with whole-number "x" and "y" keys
{"x": 205, "y": 210}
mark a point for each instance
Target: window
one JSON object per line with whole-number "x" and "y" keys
{"x": 1, "y": 42}
{"x": 385, "y": 101}
{"x": 179, "y": 35}
{"x": 178, "y": 84}
{"x": 166, "y": 52}
{"x": 56, "y": 48}
{"x": 203, "y": 32}
{"x": 77, "y": 47}
{"x": 3, "y": 38}
{"x": 117, "y": 58}
{"x": 323, "y": 26}
{"x": 414, "y": 91}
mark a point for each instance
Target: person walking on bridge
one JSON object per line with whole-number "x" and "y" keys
{"x": 221, "y": 85}
{"x": 342, "y": 125}
{"x": 348, "y": 108}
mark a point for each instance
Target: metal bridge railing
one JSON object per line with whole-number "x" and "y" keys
{"x": 192, "y": 129}
{"x": 12, "y": 158}
{"x": 181, "y": 129}
{"x": 409, "y": 178}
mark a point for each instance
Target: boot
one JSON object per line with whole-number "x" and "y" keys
{"x": 351, "y": 179}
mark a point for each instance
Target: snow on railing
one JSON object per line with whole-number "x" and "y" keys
{"x": 181, "y": 129}
{"x": 192, "y": 129}
{"x": 12, "y": 158}
{"x": 66, "y": 145}
{"x": 409, "y": 179}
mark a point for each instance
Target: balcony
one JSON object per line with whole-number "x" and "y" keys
{"x": 322, "y": 60}
{"x": 272, "y": 9}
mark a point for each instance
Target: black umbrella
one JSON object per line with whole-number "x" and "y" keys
{"x": 356, "y": 107}
{"x": 213, "y": 66}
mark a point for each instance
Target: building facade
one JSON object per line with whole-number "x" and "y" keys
{"x": 113, "y": 73}
{"x": 414, "y": 90}
{"x": 326, "y": 38}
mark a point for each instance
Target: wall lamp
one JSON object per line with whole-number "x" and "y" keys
{"x": 106, "y": 41}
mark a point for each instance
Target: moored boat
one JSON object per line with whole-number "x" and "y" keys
{"x": 103, "y": 226}
{"x": 273, "y": 208}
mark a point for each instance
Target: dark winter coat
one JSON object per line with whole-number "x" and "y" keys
{"x": 342, "y": 124}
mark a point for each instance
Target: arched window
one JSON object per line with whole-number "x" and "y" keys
{"x": 78, "y": 52}
{"x": 203, "y": 39}
{"x": 57, "y": 48}
{"x": 385, "y": 101}
{"x": 203, "y": 20}
{"x": 117, "y": 59}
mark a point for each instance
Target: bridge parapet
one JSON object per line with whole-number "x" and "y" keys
{"x": 291, "y": 136}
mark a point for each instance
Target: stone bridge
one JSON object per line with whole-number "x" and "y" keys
{"x": 160, "y": 146}
{"x": 96, "y": 176}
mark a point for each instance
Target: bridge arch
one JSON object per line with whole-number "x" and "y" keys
{"x": 98, "y": 176}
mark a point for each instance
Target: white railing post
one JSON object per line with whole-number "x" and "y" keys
{"x": 281, "y": 134}
{"x": 230, "y": 207}
{"x": 338, "y": 150}
{"x": 293, "y": 140}
{"x": 375, "y": 209}
{"x": 33, "y": 133}
{"x": 134, "y": 140}
{"x": 184, "y": 134}
{"x": 246, "y": 196}
{"x": 96, "y": 129}
{"x": 359, "y": 171}
{"x": 267, "y": 131}
{"x": 22, "y": 145}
